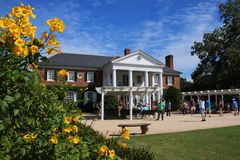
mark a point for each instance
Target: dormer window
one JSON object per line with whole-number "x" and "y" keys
{"x": 71, "y": 76}
{"x": 50, "y": 75}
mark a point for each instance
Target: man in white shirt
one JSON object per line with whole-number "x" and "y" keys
{"x": 202, "y": 108}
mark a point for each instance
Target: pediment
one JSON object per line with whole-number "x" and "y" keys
{"x": 138, "y": 58}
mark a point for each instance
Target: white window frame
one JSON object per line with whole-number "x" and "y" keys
{"x": 170, "y": 80}
{"x": 71, "y": 76}
{"x": 90, "y": 77}
{"x": 51, "y": 73}
{"x": 72, "y": 96}
{"x": 156, "y": 79}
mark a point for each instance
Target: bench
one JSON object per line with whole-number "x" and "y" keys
{"x": 143, "y": 126}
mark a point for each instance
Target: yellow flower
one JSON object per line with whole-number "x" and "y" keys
{"x": 125, "y": 133}
{"x": 73, "y": 139}
{"x": 4, "y": 37}
{"x": 111, "y": 154}
{"x": 19, "y": 42}
{"x": 17, "y": 50}
{"x": 56, "y": 25}
{"x": 2, "y": 24}
{"x": 102, "y": 151}
{"x": 75, "y": 128}
{"x": 33, "y": 136}
{"x": 53, "y": 140}
{"x": 45, "y": 35}
{"x": 17, "y": 12}
{"x": 123, "y": 145}
{"x": 75, "y": 119}
{"x": 50, "y": 51}
{"x": 67, "y": 120}
{"x": 62, "y": 73}
{"x": 25, "y": 51}
{"x": 34, "y": 49}
{"x": 27, "y": 137}
{"x": 54, "y": 129}
{"x": 67, "y": 130}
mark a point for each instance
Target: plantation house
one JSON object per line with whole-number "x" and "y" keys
{"x": 134, "y": 77}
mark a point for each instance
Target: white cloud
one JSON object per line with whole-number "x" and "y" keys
{"x": 175, "y": 34}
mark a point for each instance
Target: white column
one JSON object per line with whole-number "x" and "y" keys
{"x": 130, "y": 104}
{"x": 102, "y": 107}
{"x": 161, "y": 83}
{"x": 209, "y": 97}
{"x": 130, "y": 80}
{"x": 146, "y": 79}
{"x": 114, "y": 74}
{"x": 216, "y": 99}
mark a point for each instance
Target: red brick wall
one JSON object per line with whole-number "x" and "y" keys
{"x": 176, "y": 81}
{"x": 80, "y": 80}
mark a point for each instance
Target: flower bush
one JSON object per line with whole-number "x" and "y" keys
{"x": 35, "y": 122}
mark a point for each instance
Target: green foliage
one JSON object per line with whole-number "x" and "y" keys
{"x": 219, "y": 52}
{"x": 174, "y": 96}
{"x": 111, "y": 102}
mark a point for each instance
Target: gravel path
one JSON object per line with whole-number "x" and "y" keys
{"x": 175, "y": 123}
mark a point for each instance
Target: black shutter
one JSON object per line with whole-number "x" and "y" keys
{"x": 75, "y": 76}
{"x": 95, "y": 77}
{"x": 45, "y": 74}
{"x": 55, "y": 75}
{"x": 173, "y": 80}
{"x": 85, "y": 76}
{"x": 166, "y": 80}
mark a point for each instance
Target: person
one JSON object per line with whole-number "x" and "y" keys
{"x": 97, "y": 109}
{"x": 208, "y": 107}
{"x": 220, "y": 106}
{"x": 193, "y": 106}
{"x": 184, "y": 107}
{"x": 144, "y": 109}
{"x": 160, "y": 109}
{"x": 202, "y": 109}
{"x": 235, "y": 107}
{"x": 168, "y": 107}
{"x": 228, "y": 107}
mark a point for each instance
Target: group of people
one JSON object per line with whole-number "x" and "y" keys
{"x": 163, "y": 106}
{"x": 206, "y": 107}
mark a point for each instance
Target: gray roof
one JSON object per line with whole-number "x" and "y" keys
{"x": 68, "y": 60}
{"x": 168, "y": 70}
{"x": 76, "y": 61}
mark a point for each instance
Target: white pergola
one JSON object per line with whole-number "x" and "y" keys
{"x": 208, "y": 93}
{"x": 109, "y": 90}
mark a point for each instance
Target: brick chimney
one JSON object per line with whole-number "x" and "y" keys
{"x": 127, "y": 51}
{"x": 169, "y": 61}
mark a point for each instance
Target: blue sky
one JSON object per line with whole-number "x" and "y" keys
{"x": 106, "y": 27}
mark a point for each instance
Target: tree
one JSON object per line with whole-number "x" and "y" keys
{"x": 173, "y": 95}
{"x": 185, "y": 85}
{"x": 219, "y": 52}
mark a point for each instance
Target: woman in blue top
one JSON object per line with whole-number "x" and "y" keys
{"x": 208, "y": 107}
{"x": 235, "y": 107}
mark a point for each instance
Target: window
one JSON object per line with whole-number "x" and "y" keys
{"x": 170, "y": 80}
{"x": 72, "y": 96}
{"x": 90, "y": 96}
{"x": 156, "y": 78}
{"x": 50, "y": 75}
{"x": 125, "y": 80}
{"x": 90, "y": 77}
{"x": 71, "y": 76}
{"x": 139, "y": 79}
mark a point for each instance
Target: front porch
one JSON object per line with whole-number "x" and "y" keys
{"x": 131, "y": 94}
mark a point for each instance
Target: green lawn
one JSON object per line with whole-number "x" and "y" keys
{"x": 218, "y": 144}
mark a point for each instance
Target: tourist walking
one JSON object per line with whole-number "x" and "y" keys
{"x": 184, "y": 107}
{"x": 193, "y": 106}
{"x": 160, "y": 109}
{"x": 202, "y": 109}
{"x": 168, "y": 107}
{"x": 208, "y": 107}
{"x": 235, "y": 107}
{"x": 220, "y": 106}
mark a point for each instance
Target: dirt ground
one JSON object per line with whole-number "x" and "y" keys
{"x": 174, "y": 123}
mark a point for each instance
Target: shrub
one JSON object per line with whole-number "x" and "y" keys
{"x": 111, "y": 102}
{"x": 174, "y": 96}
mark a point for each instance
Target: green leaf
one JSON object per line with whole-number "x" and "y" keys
{"x": 16, "y": 111}
{"x": 9, "y": 99}
{"x": 2, "y": 127}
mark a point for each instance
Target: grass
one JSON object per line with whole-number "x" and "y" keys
{"x": 209, "y": 144}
